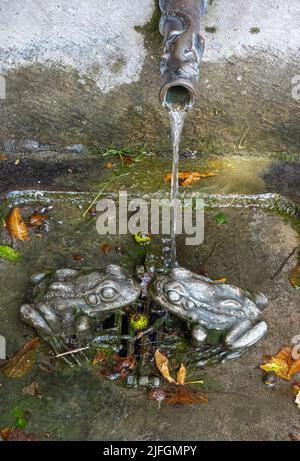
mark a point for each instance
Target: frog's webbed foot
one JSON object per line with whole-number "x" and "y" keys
{"x": 244, "y": 334}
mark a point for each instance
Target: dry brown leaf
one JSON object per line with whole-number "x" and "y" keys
{"x": 32, "y": 389}
{"x": 127, "y": 159}
{"x": 162, "y": 364}
{"x": 78, "y": 257}
{"x": 18, "y": 435}
{"x": 16, "y": 226}
{"x": 189, "y": 178}
{"x": 181, "y": 375}
{"x": 105, "y": 248}
{"x": 282, "y": 364}
{"x": 294, "y": 277}
{"x": 23, "y": 360}
{"x": 296, "y": 389}
{"x": 3, "y": 157}
{"x": 99, "y": 358}
{"x": 37, "y": 220}
{"x": 5, "y": 432}
{"x": 183, "y": 396}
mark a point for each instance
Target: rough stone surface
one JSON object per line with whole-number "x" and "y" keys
{"x": 87, "y": 73}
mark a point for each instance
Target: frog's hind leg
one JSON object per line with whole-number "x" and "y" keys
{"x": 34, "y": 319}
{"x": 244, "y": 335}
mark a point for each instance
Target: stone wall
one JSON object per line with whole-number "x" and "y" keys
{"x": 86, "y": 73}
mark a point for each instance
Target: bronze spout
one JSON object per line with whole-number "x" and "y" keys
{"x": 183, "y": 50}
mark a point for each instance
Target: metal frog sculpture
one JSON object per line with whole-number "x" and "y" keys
{"x": 183, "y": 44}
{"x": 67, "y": 304}
{"x": 208, "y": 305}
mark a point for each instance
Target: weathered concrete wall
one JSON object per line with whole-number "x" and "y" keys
{"x": 86, "y": 72}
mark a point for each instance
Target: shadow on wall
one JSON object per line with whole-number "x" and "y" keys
{"x": 284, "y": 178}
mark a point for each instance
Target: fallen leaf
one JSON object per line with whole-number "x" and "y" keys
{"x": 99, "y": 358}
{"x": 189, "y": 178}
{"x": 162, "y": 364}
{"x": 23, "y": 360}
{"x": 295, "y": 434}
{"x": 127, "y": 159}
{"x": 157, "y": 394}
{"x": 109, "y": 165}
{"x": 16, "y": 226}
{"x": 282, "y": 364}
{"x": 220, "y": 218}
{"x": 3, "y": 157}
{"x": 181, "y": 375}
{"x": 6, "y": 252}
{"x": 294, "y": 277}
{"x": 32, "y": 389}
{"x": 183, "y": 396}
{"x": 105, "y": 248}
{"x": 78, "y": 257}
{"x": 37, "y": 220}
{"x": 20, "y": 420}
{"x": 296, "y": 389}
{"x": 5, "y": 432}
{"x": 142, "y": 238}
{"x": 18, "y": 435}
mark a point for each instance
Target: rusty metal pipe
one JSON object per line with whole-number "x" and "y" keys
{"x": 183, "y": 51}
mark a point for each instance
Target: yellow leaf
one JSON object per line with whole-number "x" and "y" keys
{"x": 189, "y": 177}
{"x": 162, "y": 364}
{"x": 282, "y": 364}
{"x": 181, "y": 375}
{"x": 16, "y": 226}
{"x": 222, "y": 280}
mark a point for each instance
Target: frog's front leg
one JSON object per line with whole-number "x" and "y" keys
{"x": 199, "y": 334}
{"x": 244, "y": 334}
{"x": 44, "y": 320}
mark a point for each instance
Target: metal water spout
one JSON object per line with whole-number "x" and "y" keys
{"x": 183, "y": 51}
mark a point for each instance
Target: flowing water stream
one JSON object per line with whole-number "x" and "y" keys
{"x": 176, "y": 121}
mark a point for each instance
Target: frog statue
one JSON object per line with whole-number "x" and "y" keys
{"x": 68, "y": 303}
{"x": 209, "y": 305}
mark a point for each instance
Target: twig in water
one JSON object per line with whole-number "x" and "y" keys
{"x": 72, "y": 352}
{"x": 283, "y": 264}
{"x": 101, "y": 192}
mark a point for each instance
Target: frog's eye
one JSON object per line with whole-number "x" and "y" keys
{"x": 93, "y": 300}
{"x": 173, "y": 296}
{"x": 108, "y": 293}
{"x": 190, "y": 305}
